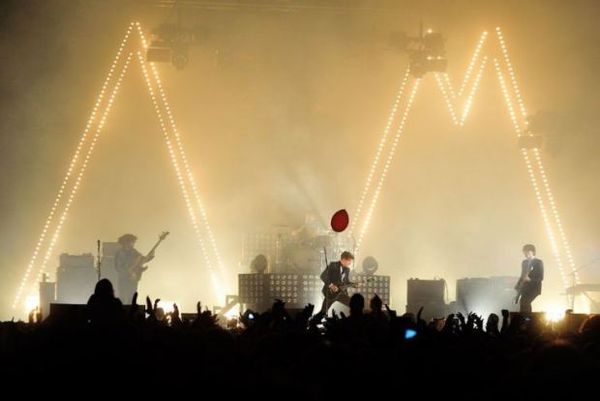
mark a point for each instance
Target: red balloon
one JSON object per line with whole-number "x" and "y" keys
{"x": 340, "y": 220}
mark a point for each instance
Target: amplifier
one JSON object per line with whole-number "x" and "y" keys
{"x": 419, "y": 291}
{"x": 484, "y": 295}
{"x": 76, "y": 278}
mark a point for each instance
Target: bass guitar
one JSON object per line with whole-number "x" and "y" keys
{"x": 137, "y": 268}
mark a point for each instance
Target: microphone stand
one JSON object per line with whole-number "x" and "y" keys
{"x": 98, "y": 263}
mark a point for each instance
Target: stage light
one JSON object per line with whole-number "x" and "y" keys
{"x": 167, "y": 306}
{"x": 31, "y": 302}
{"x": 443, "y": 86}
{"x": 370, "y": 265}
{"x": 471, "y": 65}
{"x": 158, "y": 52}
{"x": 469, "y": 101}
{"x": 555, "y": 314}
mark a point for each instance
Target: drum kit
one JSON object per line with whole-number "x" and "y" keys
{"x": 309, "y": 255}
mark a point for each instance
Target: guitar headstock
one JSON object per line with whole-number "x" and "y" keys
{"x": 163, "y": 235}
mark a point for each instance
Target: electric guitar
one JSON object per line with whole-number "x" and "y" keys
{"x": 519, "y": 289}
{"x": 332, "y": 295}
{"x": 137, "y": 268}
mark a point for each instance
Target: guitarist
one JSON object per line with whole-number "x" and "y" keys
{"x": 529, "y": 285}
{"x": 336, "y": 275}
{"x": 126, "y": 259}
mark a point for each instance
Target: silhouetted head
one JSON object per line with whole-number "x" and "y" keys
{"x": 529, "y": 251}
{"x": 104, "y": 289}
{"x": 127, "y": 240}
{"x": 357, "y": 304}
{"x": 492, "y": 322}
{"x": 376, "y": 304}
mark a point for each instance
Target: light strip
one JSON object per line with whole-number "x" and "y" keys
{"x": 387, "y": 164}
{"x": 538, "y": 159}
{"x": 182, "y": 153}
{"x": 83, "y": 168}
{"x": 447, "y": 90}
{"x": 382, "y": 142}
{"x": 471, "y": 65}
{"x": 530, "y": 171}
{"x": 72, "y": 164}
{"x": 449, "y": 87}
{"x": 446, "y": 96}
{"x": 469, "y": 101}
{"x": 179, "y": 174}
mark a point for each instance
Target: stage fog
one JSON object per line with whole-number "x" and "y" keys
{"x": 280, "y": 113}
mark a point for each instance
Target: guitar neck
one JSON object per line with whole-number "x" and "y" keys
{"x": 154, "y": 247}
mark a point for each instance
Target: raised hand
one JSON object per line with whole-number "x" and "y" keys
{"x": 461, "y": 318}
{"x": 308, "y": 310}
{"x": 149, "y": 308}
{"x": 175, "y": 318}
{"x": 390, "y": 312}
{"x": 419, "y": 314}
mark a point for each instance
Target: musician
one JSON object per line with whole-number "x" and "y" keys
{"x": 334, "y": 276}
{"x": 125, "y": 259}
{"x": 529, "y": 285}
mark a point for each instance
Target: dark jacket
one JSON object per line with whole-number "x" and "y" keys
{"x": 332, "y": 274}
{"x": 535, "y": 271}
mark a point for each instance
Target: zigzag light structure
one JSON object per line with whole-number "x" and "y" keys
{"x": 538, "y": 178}
{"x": 81, "y": 158}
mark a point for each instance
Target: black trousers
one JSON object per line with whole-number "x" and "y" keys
{"x": 341, "y": 297}
{"x": 525, "y": 302}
